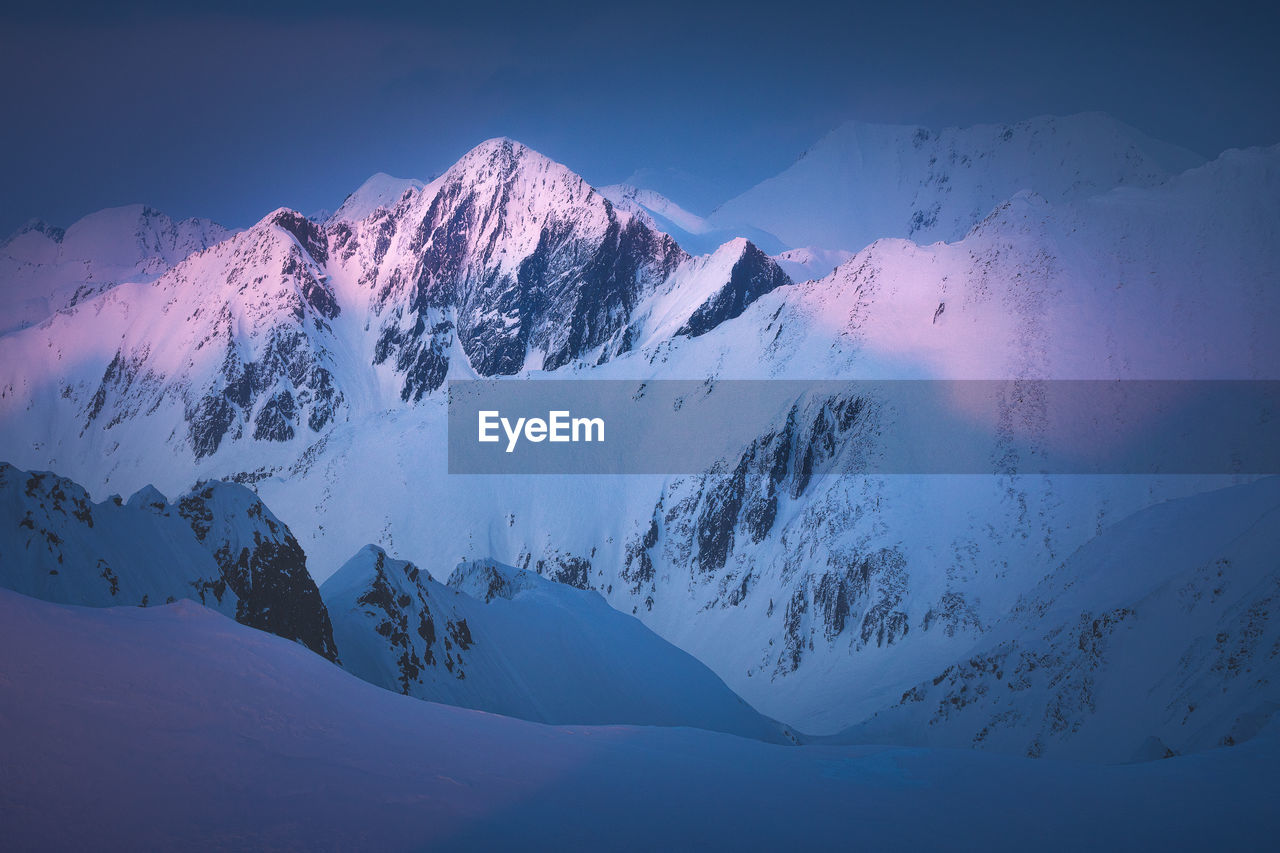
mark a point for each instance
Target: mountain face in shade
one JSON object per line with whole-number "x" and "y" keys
{"x": 863, "y": 182}
{"x": 218, "y": 545}
{"x": 506, "y": 640}
{"x": 1156, "y": 638}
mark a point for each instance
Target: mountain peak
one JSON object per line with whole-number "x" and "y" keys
{"x": 379, "y": 190}
{"x": 150, "y": 497}
{"x": 308, "y": 234}
{"x": 501, "y": 158}
{"x": 485, "y": 580}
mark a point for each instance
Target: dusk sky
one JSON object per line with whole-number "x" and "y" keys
{"x": 229, "y": 114}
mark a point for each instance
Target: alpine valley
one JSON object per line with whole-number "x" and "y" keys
{"x": 256, "y": 421}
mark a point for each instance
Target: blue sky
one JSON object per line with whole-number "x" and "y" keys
{"x": 229, "y": 113}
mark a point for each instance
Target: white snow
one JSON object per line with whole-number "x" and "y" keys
{"x": 175, "y": 727}
{"x": 1166, "y": 276}
{"x": 863, "y": 182}
{"x": 44, "y": 270}
{"x": 539, "y": 651}
{"x": 379, "y": 191}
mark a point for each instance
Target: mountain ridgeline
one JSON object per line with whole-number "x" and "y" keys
{"x": 496, "y": 638}
{"x": 217, "y": 544}
{"x": 307, "y": 359}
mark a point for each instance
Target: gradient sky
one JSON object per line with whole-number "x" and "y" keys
{"x": 231, "y": 113}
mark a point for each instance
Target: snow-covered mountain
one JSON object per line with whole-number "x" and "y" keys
{"x": 863, "y": 182}
{"x": 45, "y": 269}
{"x": 308, "y": 362}
{"x": 497, "y": 639}
{"x": 236, "y": 340}
{"x": 809, "y": 263}
{"x": 507, "y": 640}
{"x": 507, "y": 261}
{"x": 660, "y": 212}
{"x": 108, "y": 711}
{"x": 1155, "y": 638}
{"x": 381, "y": 190}
{"x": 694, "y": 233}
{"x": 217, "y": 544}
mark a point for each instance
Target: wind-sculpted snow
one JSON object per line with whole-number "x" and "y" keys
{"x": 292, "y": 752}
{"x": 218, "y": 545}
{"x": 506, "y": 640}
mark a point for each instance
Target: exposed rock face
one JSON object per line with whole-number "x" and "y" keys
{"x": 516, "y": 257}
{"x": 396, "y": 627}
{"x": 218, "y": 545}
{"x": 754, "y": 275}
{"x": 262, "y": 564}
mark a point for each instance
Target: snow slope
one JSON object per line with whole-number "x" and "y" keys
{"x": 291, "y": 752}
{"x": 381, "y": 190}
{"x": 508, "y": 641}
{"x": 44, "y": 269}
{"x": 809, "y": 263}
{"x": 662, "y": 210}
{"x": 863, "y": 182}
{"x": 498, "y": 639}
{"x": 1156, "y": 637}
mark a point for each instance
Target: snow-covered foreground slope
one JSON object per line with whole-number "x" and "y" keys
{"x": 174, "y": 727}
{"x": 44, "y": 269}
{"x": 506, "y": 640}
{"x": 1159, "y": 636}
{"x": 863, "y": 182}
{"x": 498, "y": 639}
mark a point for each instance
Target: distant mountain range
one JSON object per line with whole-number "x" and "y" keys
{"x": 307, "y": 361}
